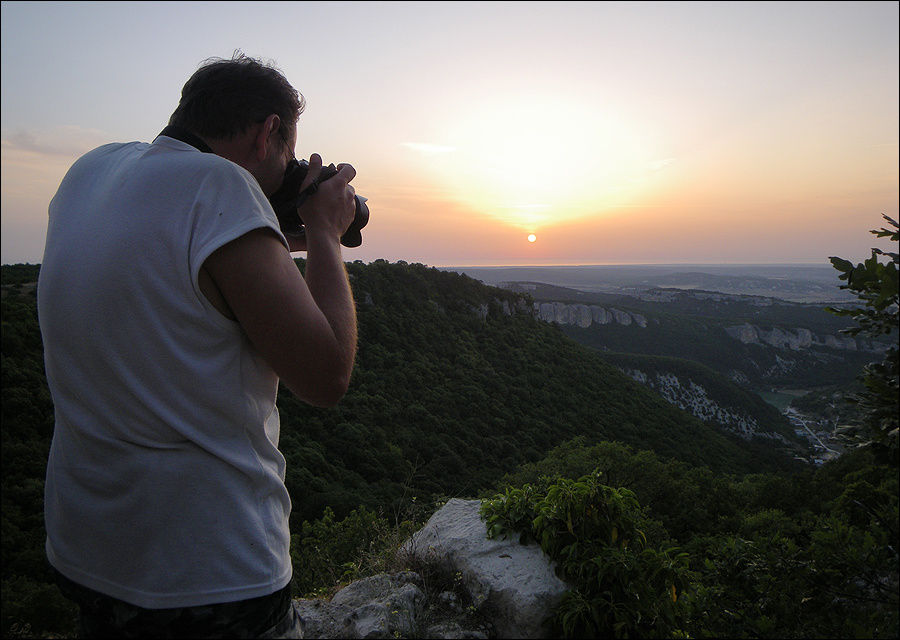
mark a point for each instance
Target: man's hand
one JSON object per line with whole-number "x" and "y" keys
{"x": 329, "y": 211}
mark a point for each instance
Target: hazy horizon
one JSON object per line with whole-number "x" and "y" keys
{"x": 648, "y": 264}
{"x": 608, "y": 133}
{"x": 609, "y": 264}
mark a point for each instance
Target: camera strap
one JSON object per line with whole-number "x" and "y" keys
{"x": 185, "y": 136}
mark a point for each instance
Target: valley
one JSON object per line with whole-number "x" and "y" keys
{"x": 692, "y": 333}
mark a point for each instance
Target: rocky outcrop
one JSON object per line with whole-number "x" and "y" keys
{"x": 382, "y": 606}
{"x": 796, "y": 339}
{"x": 584, "y": 316}
{"x": 836, "y": 342}
{"x": 692, "y": 397}
{"x": 507, "y": 309}
{"x": 509, "y": 587}
{"x": 516, "y": 584}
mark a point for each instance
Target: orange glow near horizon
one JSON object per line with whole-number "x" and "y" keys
{"x": 672, "y": 222}
{"x": 531, "y": 162}
{"x": 694, "y": 133}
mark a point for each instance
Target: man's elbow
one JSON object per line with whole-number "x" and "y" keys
{"x": 332, "y": 395}
{"x": 325, "y": 392}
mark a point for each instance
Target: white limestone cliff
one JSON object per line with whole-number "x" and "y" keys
{"x": 583, "y": 315}
{"x": 794, "y": 339}
{"x": 693, "y": 398}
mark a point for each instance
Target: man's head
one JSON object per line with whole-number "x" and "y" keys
{"x": 239, "y": 102}
{"x": 225, "y": 97}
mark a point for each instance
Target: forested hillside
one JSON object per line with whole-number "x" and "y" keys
{"x": 456, "y": 384}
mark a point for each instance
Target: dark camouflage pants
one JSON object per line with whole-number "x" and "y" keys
{"x": 272, "y": 616}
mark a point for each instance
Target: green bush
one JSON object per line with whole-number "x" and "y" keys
{"x": 327, "y": 552}
{"x": 621, "y": 585}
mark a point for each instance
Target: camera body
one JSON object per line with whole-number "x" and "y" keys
{"x": 288, "y": 198}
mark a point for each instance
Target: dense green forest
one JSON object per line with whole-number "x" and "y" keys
{"x": 811, "y": 555}
{"x": 459, "y": 391}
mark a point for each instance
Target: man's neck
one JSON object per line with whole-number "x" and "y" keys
{"x": 187, "y": 137}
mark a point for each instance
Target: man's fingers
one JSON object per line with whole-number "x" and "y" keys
{"x": 313, "y": 171}
{"x": 332, "y": 207}
{"x": 346, "y": 171}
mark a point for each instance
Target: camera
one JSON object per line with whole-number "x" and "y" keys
{"x": 288, "y": 198}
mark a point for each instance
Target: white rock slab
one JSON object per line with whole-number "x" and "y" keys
{"x": 515, "y": 584}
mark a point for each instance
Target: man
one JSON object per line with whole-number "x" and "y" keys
{"x": 170, "y": 308}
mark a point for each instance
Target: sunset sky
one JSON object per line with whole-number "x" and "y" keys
{"x": 613, "y": 132}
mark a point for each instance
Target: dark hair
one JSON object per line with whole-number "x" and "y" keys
{"x": 224, "y": 97}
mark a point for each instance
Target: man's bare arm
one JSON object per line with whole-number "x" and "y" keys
{"x": 306, "y": 332}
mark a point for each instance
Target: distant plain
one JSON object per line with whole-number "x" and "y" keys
{"x": 805, "y": 283}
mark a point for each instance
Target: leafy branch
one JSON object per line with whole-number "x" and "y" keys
{"x": 875, "y": 283}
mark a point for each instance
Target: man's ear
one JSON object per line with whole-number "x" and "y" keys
{"x": 261, "y": 139}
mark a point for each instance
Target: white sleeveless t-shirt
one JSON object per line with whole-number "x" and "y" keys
{"x": 165, "y": 486}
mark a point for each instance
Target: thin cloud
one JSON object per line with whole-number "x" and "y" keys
{"x": 658, "y": 165}
{"x": 60, "y": 141}
{"x": 426, "y": 148}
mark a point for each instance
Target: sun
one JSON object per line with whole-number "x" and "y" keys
{"x": 528, "y": 160}
{"x": 532, "y": 237}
